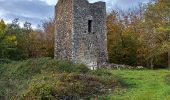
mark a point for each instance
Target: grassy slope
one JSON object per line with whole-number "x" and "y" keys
{"x": 46, "y": 79}
{"x": 143, "y": 85}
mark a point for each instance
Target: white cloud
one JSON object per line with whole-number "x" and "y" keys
{"x": 1, "y": 13}
{"x": 53, "y": 2}
{"x": 36, "y": 10}
{"x": 50, "y": 2}
{"x": 110, "y": 3}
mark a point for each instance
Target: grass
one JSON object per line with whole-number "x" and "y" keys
{"x": 45, "y": 77}
{"x": 142, "y": 85}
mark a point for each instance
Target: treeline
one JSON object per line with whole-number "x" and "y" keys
{"x": 140, "y": 37}
{"x": 19, "y": 43}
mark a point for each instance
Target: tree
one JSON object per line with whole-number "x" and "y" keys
{"x": 7, "y": 41}
{"x": 48, "y": 27}
{"x": 122, "y": 38}
{"x": 2, "y": 36}
{"x": 2, "y": 29}
{"x": 157, "y": 18}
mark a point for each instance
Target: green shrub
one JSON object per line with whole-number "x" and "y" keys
{"x": 28, "y": 68}
{"x": 67, "y": 86}
{"x": 65, "y": 66}
{"x": 5, "y": 61}
{"x": 2, "y": 93}
{"x": 46, "y": 78}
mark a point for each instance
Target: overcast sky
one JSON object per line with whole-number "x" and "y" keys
{"x": 35, "y": 11}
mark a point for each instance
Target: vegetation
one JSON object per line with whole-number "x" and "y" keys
{"x": 137, "y": 37}
{"x": 141, "y": 85}
{"x": 46, "y": 78}
{"x": 140, "y": 37}
{"x": 18, "y": 43}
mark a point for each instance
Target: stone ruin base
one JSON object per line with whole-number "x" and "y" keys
{"x": 119, "y": 66}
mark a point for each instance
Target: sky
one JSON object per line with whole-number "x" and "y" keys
{"x": 35, "y": 11}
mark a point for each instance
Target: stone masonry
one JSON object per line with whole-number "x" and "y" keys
{"x": 80, "y": 32}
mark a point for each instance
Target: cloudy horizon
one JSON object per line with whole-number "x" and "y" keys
{"x": 35, "y": 11}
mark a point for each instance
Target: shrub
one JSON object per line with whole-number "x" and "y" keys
{"x": 65, "y": 66}
{"x": 46, "y": 78}
{"x": 67, "y": 86}
{"x": 2, "y": 93}
{"x": 28, "y": 68}
{"x": 5, "y": 61}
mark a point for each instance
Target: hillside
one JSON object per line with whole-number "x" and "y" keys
{"x": 49, "y": 79}
{"x": 46, "y": 78}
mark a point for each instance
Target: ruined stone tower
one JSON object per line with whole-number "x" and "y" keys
{"x": 80, "y": 29}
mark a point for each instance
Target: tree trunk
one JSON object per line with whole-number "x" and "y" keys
{"x": 169, "y": 53}
{"x": 169, "y": 59}
{"x": 151, "y": 63}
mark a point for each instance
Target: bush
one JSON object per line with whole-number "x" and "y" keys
{"x": 28, "y": 68}
{"x": 46, "y": 78}
{"x": 67, "y": 86}
{"x": 65, "y": 66}
{"x": 5, "y": 61}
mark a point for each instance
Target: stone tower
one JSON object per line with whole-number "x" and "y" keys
{"x": 80, "y": 32}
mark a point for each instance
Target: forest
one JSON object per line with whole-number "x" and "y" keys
{"x": 139, "y": 36}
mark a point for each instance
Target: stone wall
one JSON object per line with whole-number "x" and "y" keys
{"x": 74, "y": 40}
{"x": 98, "y": 11}
{"x": 63, "y": 29}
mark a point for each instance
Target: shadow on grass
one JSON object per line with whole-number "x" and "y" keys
{"x": 127, "y": 84}
{"x": 124, "y": 84}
